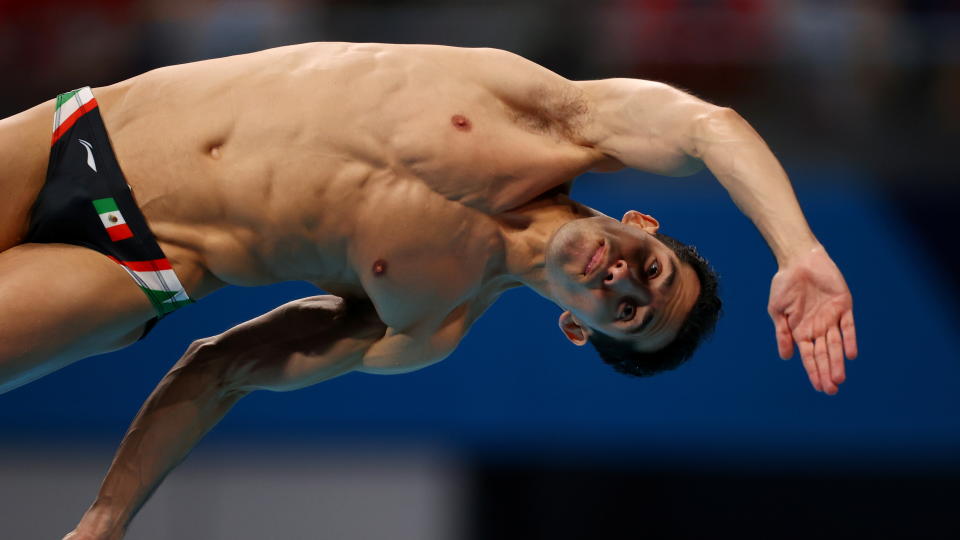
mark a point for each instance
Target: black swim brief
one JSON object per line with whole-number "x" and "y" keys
{"x": 86, "y": 202}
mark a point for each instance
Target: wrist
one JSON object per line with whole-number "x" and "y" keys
{"x": 789, "y": 253}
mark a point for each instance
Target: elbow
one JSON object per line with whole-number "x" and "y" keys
{"x": 715, "y": 115}
{"x": 208, "y": 363}
{"x": 201, "y": 354}
{"x": 712, "y": 127}
{"x": 718, "y": 121}
{"x": 199, "y": 347}
{"x": 723, "y": 113}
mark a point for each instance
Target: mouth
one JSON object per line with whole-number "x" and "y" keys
{"x": 594, "y": 261}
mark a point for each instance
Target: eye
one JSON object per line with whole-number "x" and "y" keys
{"x": 653, "y": 270}
{"x": 627, "y": 311}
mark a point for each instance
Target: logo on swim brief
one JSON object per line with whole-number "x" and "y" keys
{"x": 90, "y": 161}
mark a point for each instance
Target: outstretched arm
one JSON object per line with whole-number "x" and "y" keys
{"x": 298, "y": 344}
{"x": 653, "y": 127}
{"x": 656, "y": 128}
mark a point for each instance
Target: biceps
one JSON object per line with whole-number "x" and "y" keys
{"x": 298, "y": 344}
{"x": 299, "y": 370}
{"x": 646, "y": 125}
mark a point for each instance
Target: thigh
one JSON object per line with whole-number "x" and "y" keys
{"x": 60, "y": 303}
{"x": 24, "y": 152}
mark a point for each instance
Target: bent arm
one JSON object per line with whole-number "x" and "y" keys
{"x": 653, "y": 127}
{"x": 296, "y": 345}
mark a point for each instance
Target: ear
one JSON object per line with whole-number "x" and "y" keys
{"x": 644, "y": 221}
{"x": 571, "y": 327}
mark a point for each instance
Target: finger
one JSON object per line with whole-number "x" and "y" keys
{"x": 849, "y": 334}
{"x": 823, "y": 365}
{"x": 835, "y": 352}
{"x": 784, "y": 339}
{"x": 806, "y": 355}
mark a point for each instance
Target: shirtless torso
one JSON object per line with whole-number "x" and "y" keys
{"x": 314, "y": 162}
{"x": 414, "y": 183}
{"x": 364, "y": 153}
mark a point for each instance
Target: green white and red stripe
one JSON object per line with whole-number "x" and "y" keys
{"x": 70, "y": 107}
{"x": 112, "y": 219}
{"x": 159, "y": 282}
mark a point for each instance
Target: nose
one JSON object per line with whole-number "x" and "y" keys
{"x": 620, "y": 280}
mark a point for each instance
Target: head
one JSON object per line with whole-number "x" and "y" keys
{"x": 644, "y": 300}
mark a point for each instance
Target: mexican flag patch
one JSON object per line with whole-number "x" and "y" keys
{"x": 112, "y": 219}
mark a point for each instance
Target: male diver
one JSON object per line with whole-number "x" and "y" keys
{"x": 412, "y": 183}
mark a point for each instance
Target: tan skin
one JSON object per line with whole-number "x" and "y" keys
{"x": 632, "y": 287}
{"x": 413, "y": 183}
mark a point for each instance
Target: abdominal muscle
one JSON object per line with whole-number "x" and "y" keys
{"x": 313, "y": 162}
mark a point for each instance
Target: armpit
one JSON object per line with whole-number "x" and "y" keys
{"x": 536, "y": 98}
{"x": 558, "y": 110}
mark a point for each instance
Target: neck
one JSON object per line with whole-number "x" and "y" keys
{"x": 527, "y": 232}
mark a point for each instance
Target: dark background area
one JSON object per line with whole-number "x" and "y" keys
{"x": 861, "y": 102}
{"x": 581, "y": 501}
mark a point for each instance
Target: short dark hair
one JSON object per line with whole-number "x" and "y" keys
{"x": 698, "y": 324}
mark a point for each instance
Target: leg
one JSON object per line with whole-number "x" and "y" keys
{"x": 24, "y": 151}
{"x": 60, "y": 303}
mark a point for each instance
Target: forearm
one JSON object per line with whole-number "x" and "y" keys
{"x": 755, "y": 180}
{"x": 187, "y": 403}
{"x": 298, "y": 344}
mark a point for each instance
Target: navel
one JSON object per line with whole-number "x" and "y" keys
{"x": 460, "y": 122}
{"x": 379, "y": 267}
{"x": 215, "y": 151}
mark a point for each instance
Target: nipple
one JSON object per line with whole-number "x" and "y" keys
{"x": 460, "y": 122}
{"x": 379, "y": 267}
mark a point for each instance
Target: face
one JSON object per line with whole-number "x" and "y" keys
{"x": 617, "y": 278}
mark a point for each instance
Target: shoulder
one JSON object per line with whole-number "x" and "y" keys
{"x": 540, "y": 97}
{"x": 510, "y": 76}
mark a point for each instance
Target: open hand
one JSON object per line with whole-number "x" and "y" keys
{"x": 811, "y": 306}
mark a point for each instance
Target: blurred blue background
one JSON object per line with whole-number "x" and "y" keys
{"x": 860, "y": 100}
